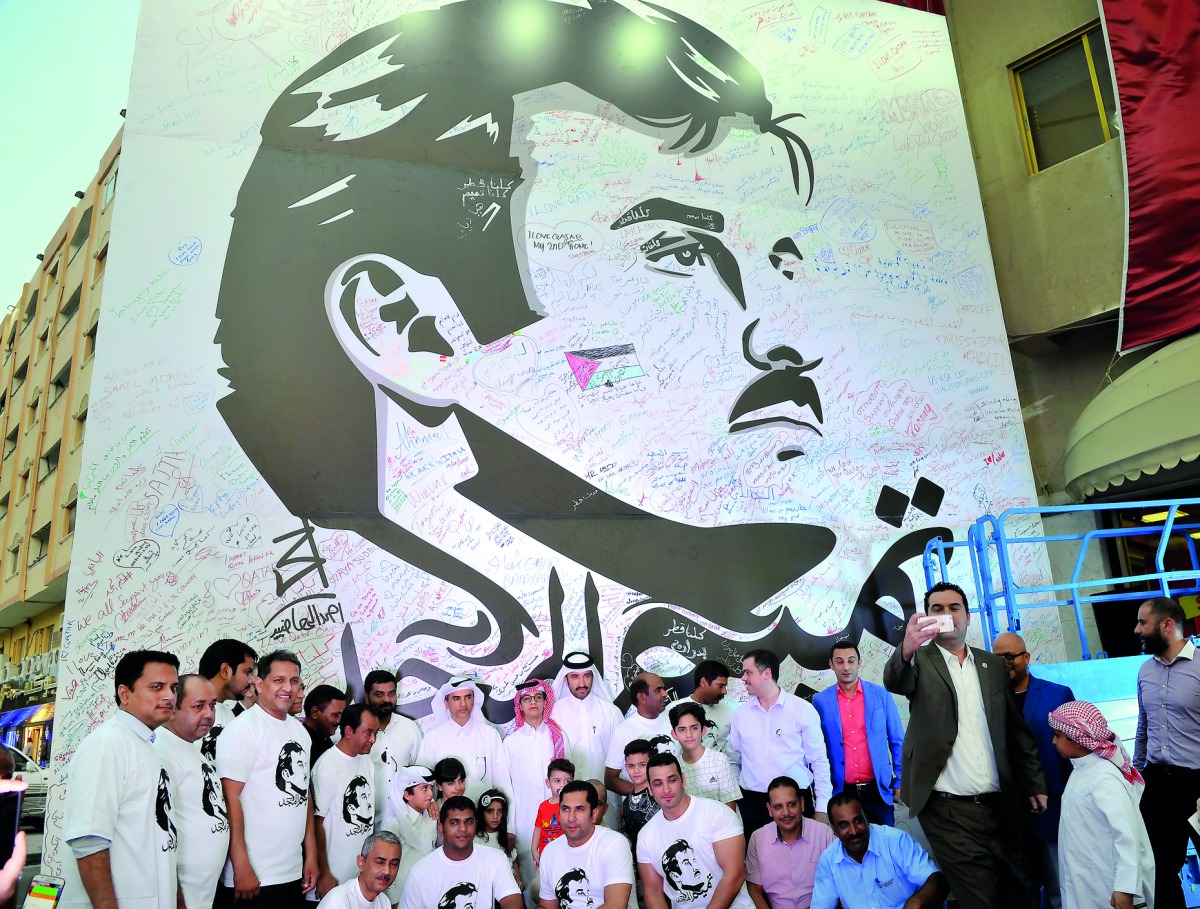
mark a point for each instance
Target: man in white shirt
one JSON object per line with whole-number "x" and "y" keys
{"x": 462, "y": 732}
{"x": 648, "y": 721}
{"x": 459, "y": 875}
{"x": 229, "y": 665}
{"x": 711, "y": 680}
{"x": 199, "y": 801}
{"x": 344, "y": 798}
{"x": 971, "y": 765}
{"x": 777, "y": 734}
{"x": 119, "y": 823}
{"x": 692, "y": 853}
{"x": 534, "y": 742}
{"x": 377, "y": 863}
{"x": 399, "y": 738}
{"x": 588, "y": 867}
{"x": 583, "y": 707}
{"x": 263, "y": 762}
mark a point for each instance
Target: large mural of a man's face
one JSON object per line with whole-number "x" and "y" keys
{"x": 593, "y": 373}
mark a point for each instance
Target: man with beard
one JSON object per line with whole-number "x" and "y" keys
{"x": 692, "y": 853}
{"x": 874, "y": 867}
{"x": 781, "y": 858}
{"x": 378, "y": 861}
{"x": 343, "y": 798}
{"x": 399, "y": 737}
{"x": 588, "y": 867}
{"x": 199, "y": 804}
{"x": 263, "y": 763}
{"x": 583, "y": 707}
{"x": 229, "y": 665}
{"x": 1167, "y": 746}
{"x": 118, "y": 827}
{"x": 1037, "y": 698}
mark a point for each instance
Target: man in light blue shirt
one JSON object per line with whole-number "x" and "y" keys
{"x": 873, "y": 867}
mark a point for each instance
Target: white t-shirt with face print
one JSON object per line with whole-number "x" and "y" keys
{"x": 344, "y": 799}
{"x": 476, "y": 882}
{"x": 575, "y": 876}
{"x": 681, "y": 851}
{"x": 199, "y": 814}
{"x": 270, "y": 757}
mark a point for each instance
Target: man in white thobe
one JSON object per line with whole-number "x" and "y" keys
{"x": 460, "y": 731}
{"x": 583, "y": 707}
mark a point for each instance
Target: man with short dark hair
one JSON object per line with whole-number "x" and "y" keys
{"x": 588, "y": 867}
{"x": 1036, "y": 698}
{"x": 344, "y": 798}
{"x": 863, "y": 735}
{"x": 263, "y": 761}
{"x": 692, "y": 852}
{"x": 1167, "y": 744}
{"x": 323, "y": 708}
{"x": 781, "y": 858}
{"x": 971, "y": 766}
{"x": 378, "y": 861}
{"x": 399, "y": 738}
{"x": 458, "y": 875}
{"x": 875, "y": 867}
{"x": 649, "y": 721}
{"x": 462, "y": 732}
{"x": 119, "y": 825}
{"x": 711, "y": 681}
{"x": 229, "y": 665}
{"x": 777, "y": 734}
{"x": 199, "y": 801}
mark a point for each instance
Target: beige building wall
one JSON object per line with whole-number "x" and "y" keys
{"x": 47, "y": 344}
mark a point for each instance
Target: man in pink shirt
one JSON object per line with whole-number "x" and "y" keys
{"x": 781, "y": 858}
{"x": 863, "y": 736}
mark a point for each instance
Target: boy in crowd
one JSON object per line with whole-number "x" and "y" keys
{"x": 546, "y": 828}
{"x": 412, "y": 822}
{"x": 639, "y": 806}
{"x": 709, "y": 774}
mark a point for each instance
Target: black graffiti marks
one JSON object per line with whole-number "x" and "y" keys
{"x": 309, "y": 563}
{"x": 308, "y": 612}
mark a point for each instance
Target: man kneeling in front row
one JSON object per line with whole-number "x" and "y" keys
{"x": 377, "y": 866}
{"x": 874, "y": 867}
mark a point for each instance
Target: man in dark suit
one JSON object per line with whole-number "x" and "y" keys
{"x": 1037, "y": 697}
{"x": 970, "y": 761}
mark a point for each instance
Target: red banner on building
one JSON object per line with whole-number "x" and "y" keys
{"x": 1157, "y": 68}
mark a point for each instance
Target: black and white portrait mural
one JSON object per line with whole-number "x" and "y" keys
{"x": 451, "y": 338}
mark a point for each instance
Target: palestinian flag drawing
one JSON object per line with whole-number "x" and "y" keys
{"x": 604, "y": 365}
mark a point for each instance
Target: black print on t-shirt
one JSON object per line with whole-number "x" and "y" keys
{"x": 208, "y": 744}
{"x": 574, "y": 891}
{"x": 212, "y": 799}
{"x": 683, "y": 871}
{"x": 460, "y": 896}
{"x": 358, "y": 807}
{"x": 660, "y": 744}
{"x": 163, "y": 812}
{"x": 291, "y": 775}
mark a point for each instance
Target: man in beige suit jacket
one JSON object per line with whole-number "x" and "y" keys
{"x": 971, "y": 763}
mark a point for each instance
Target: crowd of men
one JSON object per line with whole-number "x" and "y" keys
{"x": 205, "y": 790}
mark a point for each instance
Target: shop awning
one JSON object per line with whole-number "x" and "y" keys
{"x": 17, "y": 717}
{"x": 41, "y": 715}
{"x": 1146, "y": 421}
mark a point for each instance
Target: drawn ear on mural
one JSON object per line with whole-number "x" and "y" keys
{"x": 388, "y": 318}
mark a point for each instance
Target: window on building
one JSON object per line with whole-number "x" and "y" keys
{"x": 69, "y": 518}
{"x": 61, "y": 382}
{"x": 19, "y": 378}
{"x": 3, "y": 506}
{"x": 14, "y": 563}
{"x": 10, "y": 442}
{"x": 69, "y": 308}
{"x": 110, "y": 188}
{"x": 79, "y": 238}
{"x": 30, "y": 307}
{"x": 89, "y": 341}
{"x": 101, "y": 257}
{"x": 49, "y": 461}
{"x": 80, "y": 423}
{"x": 3, "y": 400}
{"x": 23, "y": 482}
{"x": 1066, "y": 98}
{"x": 8, "y": 345}
{"x": 39, "y": 545}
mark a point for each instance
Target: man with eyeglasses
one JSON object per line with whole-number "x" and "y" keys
{"x": 533, "y": 742}
{"x": 1037, "y": 697}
